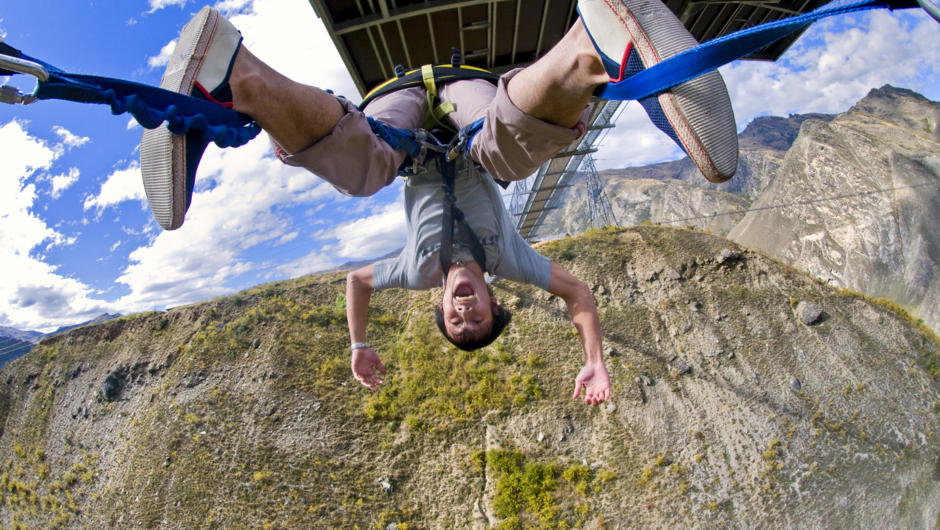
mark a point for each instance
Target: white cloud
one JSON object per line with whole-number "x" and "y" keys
{"x": 122, "y": 185}
{"x": 635, "y": 141}
{"x": 69, "y": 139}
{"x": 378, "y": 234}
{"x": 35, "y": 296}
{"x": 156, "y": 5}
{"x": 312, "y": 262}
{"x": 829, "y": 70}
{"x": 226, "y": 6}
{"x": 62, "y": 182}
{"x": 162, "y": 58}
{"x": 287, "y": 238}
{"x": 292, "y": 40}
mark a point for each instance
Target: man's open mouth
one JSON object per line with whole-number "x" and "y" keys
{"x": 463, "y": 291}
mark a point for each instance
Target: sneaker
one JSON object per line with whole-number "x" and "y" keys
{"x": 200, "y": 66}
{"x": 631, "y": 35}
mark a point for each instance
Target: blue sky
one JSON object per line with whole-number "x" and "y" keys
{"x": 76, "y": 235}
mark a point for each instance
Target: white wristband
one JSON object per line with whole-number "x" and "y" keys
{"x": 358, "y": 345}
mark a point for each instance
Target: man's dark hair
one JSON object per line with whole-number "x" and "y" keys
{"x": 473, "y": 341}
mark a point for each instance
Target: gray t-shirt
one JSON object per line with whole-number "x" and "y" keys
{"x": 507, "y": 254}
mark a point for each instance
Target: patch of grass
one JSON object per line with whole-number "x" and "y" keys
{"x": 436, "y": 386}
{"x": 523, "y": 488}
{"x": 528, "y": 494}
{"x": 593, "y": 244}
{"x": 578, "y": 476}
{"x": 37, "y": 495}
{"x": 478, "y": 460}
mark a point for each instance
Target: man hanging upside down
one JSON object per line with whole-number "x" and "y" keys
{"x": 532, "y": 114}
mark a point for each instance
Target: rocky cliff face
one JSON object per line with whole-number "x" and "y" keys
{"x": 674, "y": 193}
{"x": 763, "y": 144}
{"x": 745, "y": 394}
{"x": 851, "y": 199}
{"x": 856, "y": 202}
{"x": 645, "y": 200}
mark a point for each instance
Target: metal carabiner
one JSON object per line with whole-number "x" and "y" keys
{"x": 931, "y": 7}
{"x": 11, "y": 95}
{"x": 457, "y": 145}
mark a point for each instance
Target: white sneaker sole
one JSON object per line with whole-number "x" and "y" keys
{"x": 699, "y": 110}
{"x": 162, "y": 153}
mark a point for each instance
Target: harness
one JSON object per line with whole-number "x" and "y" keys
{"x": 431, "y": 77}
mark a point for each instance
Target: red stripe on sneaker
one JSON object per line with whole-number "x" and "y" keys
{"x": 205, "y": 93}
{"x": 623, "y": 62}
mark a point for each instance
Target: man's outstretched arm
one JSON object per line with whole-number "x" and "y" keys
{"x": 365, "y": 362}
{"x": 592, "y": 378}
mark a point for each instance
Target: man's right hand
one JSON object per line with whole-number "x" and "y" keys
{"x": 365, "y": 363}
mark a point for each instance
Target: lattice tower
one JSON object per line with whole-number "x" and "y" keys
{"x": 601, "y": 212}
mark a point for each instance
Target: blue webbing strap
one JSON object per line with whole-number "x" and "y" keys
{"x": 717, "y": 52}
{"x": 400, "y": 139}
{"x": 471, "y": 132}
{"x": 149, "y": 105}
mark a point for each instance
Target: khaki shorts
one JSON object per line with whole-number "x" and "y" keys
{"x": 510, "y": 146}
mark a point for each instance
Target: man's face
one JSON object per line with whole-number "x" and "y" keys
{"x": 467, "y": 305}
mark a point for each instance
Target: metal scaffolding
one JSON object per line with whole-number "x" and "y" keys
{"x": 601, "y": 212}
{"x": 535, "y": 196}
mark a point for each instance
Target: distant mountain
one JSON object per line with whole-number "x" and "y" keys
{"x": 15, "y": 343}
{"x": 26, "y": 336}
{"x": 104, "y": 317}
{"x": 675, "y": 193}
{"x": 775, "y": 132}
{"x": 635, "y": 200}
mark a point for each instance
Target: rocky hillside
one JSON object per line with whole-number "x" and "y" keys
{"x": 745, "y": 394}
